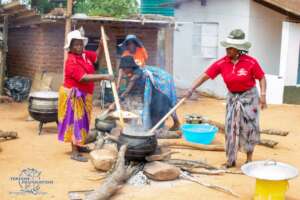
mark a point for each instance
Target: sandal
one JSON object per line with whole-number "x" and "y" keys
{"x": 84, "y": 149}
{"x": 79, "y": 158}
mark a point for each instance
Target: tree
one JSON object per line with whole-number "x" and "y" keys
{"x": 110, "y": 8}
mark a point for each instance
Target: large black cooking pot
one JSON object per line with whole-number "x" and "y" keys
{"x": 43, "y": 107}
{"x": 140, "y": 144}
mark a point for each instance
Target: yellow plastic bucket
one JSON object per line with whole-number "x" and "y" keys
{"x": 270, "y": 190}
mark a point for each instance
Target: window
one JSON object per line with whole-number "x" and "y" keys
{"x": 205, "y": 40}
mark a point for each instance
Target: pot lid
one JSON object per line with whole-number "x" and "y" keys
{"x": 137, "y": 132}
{"x": 270, "y": 170}
{"x": 45, "y": 94}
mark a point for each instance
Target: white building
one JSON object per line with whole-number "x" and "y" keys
{"x": 270, "y": 25}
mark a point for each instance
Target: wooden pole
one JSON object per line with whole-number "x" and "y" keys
{"x": 167, "y": 115}
{"x": 3, "y": 53}
{"x": 67, "y": 27}
{"x": 110, "y": 71}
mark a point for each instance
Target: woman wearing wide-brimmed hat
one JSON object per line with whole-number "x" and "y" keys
{"x": 239, "y": 72}
{"x": 75, "y": 95}
{"x": 132, "y": 46}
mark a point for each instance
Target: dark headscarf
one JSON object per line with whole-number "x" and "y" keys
{"x": 127, "y": 62}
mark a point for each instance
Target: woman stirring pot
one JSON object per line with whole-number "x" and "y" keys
{"x": 239, "y": 72}
{"x": 75, "y": 96}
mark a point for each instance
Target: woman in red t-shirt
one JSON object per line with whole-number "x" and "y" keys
{"x": 75, "y": 96}
{"x": 239, "y": 72}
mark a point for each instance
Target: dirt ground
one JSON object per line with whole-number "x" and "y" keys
{"x": 46, "y": 154}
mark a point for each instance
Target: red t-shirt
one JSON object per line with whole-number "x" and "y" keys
{"x": 238, "y": 77}
{"x": 76, "y": 67}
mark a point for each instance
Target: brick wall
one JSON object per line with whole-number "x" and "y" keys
{"x": 35, "y": 49}
{"x": 40, "y": 48}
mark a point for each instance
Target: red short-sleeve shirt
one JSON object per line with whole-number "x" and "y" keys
{"x": 238, "y": 77}
{"x": 76, "y": 67}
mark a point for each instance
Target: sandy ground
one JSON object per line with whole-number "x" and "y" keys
{"x": 51, "y": 158}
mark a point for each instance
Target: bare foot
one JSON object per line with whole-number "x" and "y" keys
{"x": 228, "y": 165}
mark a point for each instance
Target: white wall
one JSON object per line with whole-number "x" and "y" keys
{"x": 265, "y": 29}
{"x": 290, "y": 53}
{"x": 229, "y": 14}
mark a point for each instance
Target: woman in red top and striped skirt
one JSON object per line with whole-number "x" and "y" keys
{"x": 75, "y": 95}
{"x": 239, "y": 72}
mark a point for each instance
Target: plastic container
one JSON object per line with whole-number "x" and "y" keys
{"x": 274, "y": 190}
{"x": 199, "y": 133}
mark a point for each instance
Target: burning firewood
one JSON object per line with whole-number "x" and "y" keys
{"x": 111, "y": 184}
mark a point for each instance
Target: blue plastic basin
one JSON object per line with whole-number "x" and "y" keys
{"x": 199, "y": 133}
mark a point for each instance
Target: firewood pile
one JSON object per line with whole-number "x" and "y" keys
{"x": 160, "y": 166}
{"x": 157, "y": 167}
{"x": 8, "y": 135}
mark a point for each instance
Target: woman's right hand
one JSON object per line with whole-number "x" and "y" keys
{"x": 188, "y": 94}
{"x": 109, "y": 77}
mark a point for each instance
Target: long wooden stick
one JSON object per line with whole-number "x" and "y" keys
{"x": 209, "y": 185}
{"x": 167, "y": 115}
{"x": 263, "y": 142}
{"x": 180, "y": 142}
{"x": 67, "y": 28}
{"x": 110, "y": 71}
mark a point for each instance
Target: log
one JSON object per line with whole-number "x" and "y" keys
{"x": 191, "y": 164}
{"x": 274, "y": 132}
{"x": 160, "y": 171}
{"x": 111, "y": 184}
{"x": 176, "y": 142}
{"x": 103, "y": 159}
{"x": 210, "y": 172}
{"x": 268, "y": 143}
{"x": 203, "y": 171}
{"x": 6, "y": 99}
{"x": 263, "y": 142}
{"x": 209, "y": 185}
{"x": 8, "y": 135}
{"x": 221, "y": 127}
{"x": 159, "y": 157}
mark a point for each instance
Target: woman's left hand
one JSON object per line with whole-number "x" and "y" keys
{"x": 263, "y": 102}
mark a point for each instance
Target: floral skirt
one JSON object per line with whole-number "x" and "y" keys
{"x": 74, "y": 115}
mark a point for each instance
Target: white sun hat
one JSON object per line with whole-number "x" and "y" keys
{"x": 76, "y": 34}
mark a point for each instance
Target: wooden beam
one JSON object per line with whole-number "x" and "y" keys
{"x": 68, "y": 27}
{"x": 26, "y": 15}
{"x": 13, "y": 11}
{"x": 168, "y": 48}
{"x": 3, "y": 54}
{"x": 10, "y": 5}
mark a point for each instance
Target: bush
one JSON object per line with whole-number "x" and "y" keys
{"x": 110, "y": 8}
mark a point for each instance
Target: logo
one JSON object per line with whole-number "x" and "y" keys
{"x": 30, "y": 181}
{"x": 242, "y": 72}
